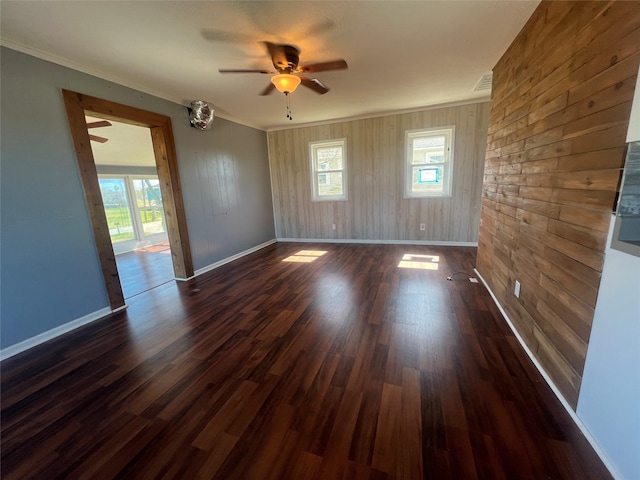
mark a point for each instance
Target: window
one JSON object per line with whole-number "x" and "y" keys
{"x": 429, "y": 165}
{"x": 329, "y": 170}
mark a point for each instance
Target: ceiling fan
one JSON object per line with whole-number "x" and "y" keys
{"x": 289, "y": 73}
{"x": 101, "y": 123}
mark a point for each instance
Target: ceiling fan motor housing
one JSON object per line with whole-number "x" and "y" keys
{"x": 292, "y": 55}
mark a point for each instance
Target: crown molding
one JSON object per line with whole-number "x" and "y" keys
{"x": 63, "y": 62}
{"x": 385, "y": 114}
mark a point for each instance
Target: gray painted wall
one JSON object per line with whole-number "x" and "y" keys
{"x": 50, "y": 274}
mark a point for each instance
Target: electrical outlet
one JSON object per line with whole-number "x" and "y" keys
{"x": 422, "y": 226}
{"x": 516, "y": 290}
{"x": 333, "y": 226}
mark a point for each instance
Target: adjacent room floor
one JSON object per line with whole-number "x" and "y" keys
{"x": 144, "y": 269}
{"x": 300, "y": 361}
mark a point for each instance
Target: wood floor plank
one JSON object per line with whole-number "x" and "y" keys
{"x": 224, "y": 444}
{"x": 388, "y": 431}
{"x": 409, "y": 446}
{"x": 335, "y": 458}
{"x": 346, "y": 367}
{"x": 206, "y": 440}
{"x": 305, "y": 468}
{"x": 262, "y": 464}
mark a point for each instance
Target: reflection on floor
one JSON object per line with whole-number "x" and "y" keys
{"x": 145, "y": 268}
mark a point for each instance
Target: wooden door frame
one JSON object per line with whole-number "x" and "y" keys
{"x": 79, "y": 105}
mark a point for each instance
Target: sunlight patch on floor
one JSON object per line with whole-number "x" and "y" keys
{"x": 423, "y": 262}
{"x": 305, "y": 256}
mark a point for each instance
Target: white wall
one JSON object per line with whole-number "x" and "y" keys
{"x": 633, "y": 134}
{"x": 609, "y": 402}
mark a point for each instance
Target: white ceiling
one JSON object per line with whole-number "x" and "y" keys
{"x": 126, "y": 144}
{"x": 401, "y": 55}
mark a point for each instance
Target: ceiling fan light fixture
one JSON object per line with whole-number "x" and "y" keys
{"x": 285, "y": 83}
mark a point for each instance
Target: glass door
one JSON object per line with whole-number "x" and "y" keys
{"x": 149, "y": 204}
{"x": 133, "y": 206}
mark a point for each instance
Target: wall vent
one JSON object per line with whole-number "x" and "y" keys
{"x": 484, "y": 83}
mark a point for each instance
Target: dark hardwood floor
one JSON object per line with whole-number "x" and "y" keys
{"x": 345, "y": 367}
{"x": 144, "y": 269}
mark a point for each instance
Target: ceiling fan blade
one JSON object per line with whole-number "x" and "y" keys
{"x": 270, "y": 88}
{"x": 228, "y": 70}
{"x": 95, "y": 138}
{"x": 314, "y": 84}
{"x": 324, "y": 66}
{"x": 101, "y": 123}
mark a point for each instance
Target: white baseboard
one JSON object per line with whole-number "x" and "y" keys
{"x": 574, "y": 416}
{"x": 55, "y": 332}
{"x": 213, "y": 266}
{"x": 380, "y": 242}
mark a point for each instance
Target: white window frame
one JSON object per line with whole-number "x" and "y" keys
{"x": 446, "y": 164}
{"x": 315, "y": 173}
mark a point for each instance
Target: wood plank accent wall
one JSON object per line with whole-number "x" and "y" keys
{"x": 376, "y": 208}
{"x": 560, "y": 108}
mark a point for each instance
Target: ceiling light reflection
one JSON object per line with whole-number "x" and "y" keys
{"x": 333, "y": 298}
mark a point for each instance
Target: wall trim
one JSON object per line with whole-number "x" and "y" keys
{"x": 230, "y": 259}
{"x": 574, "y": 416}
{"x": 380, "y": 242}
{"x": 55, "y": 332}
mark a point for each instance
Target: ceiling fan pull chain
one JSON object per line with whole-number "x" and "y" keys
{"x": 289, "y": 116}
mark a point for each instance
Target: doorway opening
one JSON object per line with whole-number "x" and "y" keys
{"x": 132, "y": 199}
{"x": 153, "y": 198}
